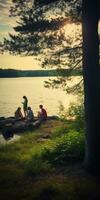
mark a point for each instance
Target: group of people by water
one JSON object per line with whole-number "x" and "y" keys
{"x": 28, "y": 113}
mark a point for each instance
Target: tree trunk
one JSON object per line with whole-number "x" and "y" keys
{"x": 91, "y": 76}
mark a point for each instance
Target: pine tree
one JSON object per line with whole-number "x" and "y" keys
{"x": 36, "y": 30}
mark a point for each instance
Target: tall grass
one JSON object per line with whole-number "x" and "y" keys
{"x": 28, "y": 166}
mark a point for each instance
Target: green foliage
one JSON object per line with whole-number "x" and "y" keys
{"x": 74, "y": 112}
{"x": 65, "y": 149}
{"x": 41, "y": 169}
{"x": 66, "y": 145}
{"x": 77, "y": 111}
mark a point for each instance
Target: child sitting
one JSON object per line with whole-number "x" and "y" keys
{"x": 30, "y": 115}
{"x": 18, "y": 113}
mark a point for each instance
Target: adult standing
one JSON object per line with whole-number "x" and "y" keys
{"x": 25, "y": 105}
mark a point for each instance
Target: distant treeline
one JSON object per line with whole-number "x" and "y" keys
{"x": 8, "y": 73}
{"x": 25, "y": 73}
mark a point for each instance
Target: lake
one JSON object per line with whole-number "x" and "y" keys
{"x": 13, "y": 89}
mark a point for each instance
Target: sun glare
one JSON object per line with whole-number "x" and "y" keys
{"x": 72, "y": 32}
{"x": 72, "y": 29}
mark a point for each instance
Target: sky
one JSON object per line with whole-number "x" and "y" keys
{"x": 6, "y": 60}
{"x": 6, "y": 24}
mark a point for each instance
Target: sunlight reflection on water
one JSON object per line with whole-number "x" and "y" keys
{"x": 13, "y": 89}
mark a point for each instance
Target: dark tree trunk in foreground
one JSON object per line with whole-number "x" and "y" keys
{"x": 91, "y": 75}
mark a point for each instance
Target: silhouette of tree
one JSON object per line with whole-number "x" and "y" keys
{"x": 36, "y": 29}
{"x": 91, "y": 74}
{"x": 41, "y": 34}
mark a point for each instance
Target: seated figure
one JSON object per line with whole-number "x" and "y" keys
{"x": 30, "y": 115}
{"x": 42, "y": 114}
{"x": 18, "y": 113}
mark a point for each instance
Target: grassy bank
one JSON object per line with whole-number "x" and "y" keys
{"x": 47, "y": 164}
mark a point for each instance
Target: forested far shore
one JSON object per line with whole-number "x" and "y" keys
{"x": 10, "y": 73}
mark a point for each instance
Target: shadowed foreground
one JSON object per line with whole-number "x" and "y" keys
{"x": 47, "y": 164}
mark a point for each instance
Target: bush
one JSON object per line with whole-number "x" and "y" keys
{"x": 76, "y": 112}
{"x": 66, "y": 149}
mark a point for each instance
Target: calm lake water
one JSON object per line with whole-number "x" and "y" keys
{"x": 13, "y": 89}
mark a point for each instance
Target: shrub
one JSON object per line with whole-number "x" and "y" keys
{"x": 76, "y": 112}
{"x": 66, "y": 149}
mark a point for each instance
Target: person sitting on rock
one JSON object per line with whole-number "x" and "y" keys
{"x": 42, "y": 114}
{"x": 18, "y": 113}
{"x": 30, "y": 115}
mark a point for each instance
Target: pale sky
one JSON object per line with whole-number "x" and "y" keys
{"x": 6, "y": 24}
{"x": 18, "y": 62}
